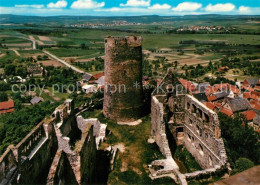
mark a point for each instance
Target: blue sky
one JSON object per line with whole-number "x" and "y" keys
{"x": 129, "y": 7}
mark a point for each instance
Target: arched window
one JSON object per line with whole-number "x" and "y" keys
{"x": 188, "y": 105}
{"x": 206, "y": 118}
{"x": 210, "y": 161}
{"x": 201, "y": 149}
{"x": 193, "y": 108}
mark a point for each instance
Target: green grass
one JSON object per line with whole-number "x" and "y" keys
{"x": 73, "y": 52}
{"x": 12, "y": 40}
{"x": 138, "y": 152}
{"x": 30, "y": 51}
{"x": 162, "y": 40}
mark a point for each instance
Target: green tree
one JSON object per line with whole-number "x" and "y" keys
{"x": 9, "y": 69}
{"x": 243, "y": 164}
{"x": 3, "y": 97}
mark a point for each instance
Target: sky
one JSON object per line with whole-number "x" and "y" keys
{"x": 129, "y": 7}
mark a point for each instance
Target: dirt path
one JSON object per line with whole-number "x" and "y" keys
{"x": 63, "y": 62}
{"x": 16, "y": 52}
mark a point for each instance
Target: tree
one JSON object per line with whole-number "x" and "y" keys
{"x": 3, "y": 97}
{"x": 9, "y": 69}
{"x": 243, "y": 164}
{"x": 241, "y": 141}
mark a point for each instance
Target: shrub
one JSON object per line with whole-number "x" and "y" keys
{"x": 243, "y": 164}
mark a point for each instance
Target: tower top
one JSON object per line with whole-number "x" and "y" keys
{"x": 131, "y": 40}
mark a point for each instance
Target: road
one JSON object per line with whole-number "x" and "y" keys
{"x": 33, "y": 42}
{"x": 63, "y": 62}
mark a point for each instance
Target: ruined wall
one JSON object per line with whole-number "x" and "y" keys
{"x": 123, "y": 69}
{"x": 88, "y": 158}
{"x": 158, "y": 127}
{"x": 35, "y": 166}
{"x": 202, "y": 134}
{"x": 46, "y": 155}
{"x": 192, "y": 124}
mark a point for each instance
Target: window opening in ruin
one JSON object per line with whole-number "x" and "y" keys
{"x": 188, "y": 105}
{"x": 201, "y": 150}
{"x": 190, "y": 120}
{"x": 206, "y": 118}
{"x": 193, "y": 109}
{"x": 210, "y": 161}
{"x": 200, "y": 113}
{"x": 189, "y": 137}
{"x": 179, "y": 130}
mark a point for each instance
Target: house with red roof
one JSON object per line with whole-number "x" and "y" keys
{"x": 249, "y": 115}
{"x": 7, "y": 106}
{"x": 226, "y": 111}
{"x": 224, "y": 68}
{"x": 251, "y": 82}
{"x": 98, "y": 75}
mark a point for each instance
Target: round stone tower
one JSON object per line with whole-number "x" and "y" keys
{"x": 123, "y": 96}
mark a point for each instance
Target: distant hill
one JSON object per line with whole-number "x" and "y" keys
{"x": 61, "y": 20}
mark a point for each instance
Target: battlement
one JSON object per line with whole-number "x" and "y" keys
{"x": 131, "y": 41}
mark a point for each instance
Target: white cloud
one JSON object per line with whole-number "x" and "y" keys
{"x": 244, "y": 9}
{"x": 29, "y": 6}
{"x": 160, "y": 7}
{"x": 87, "y": 4}
{"x": 187, "y": 6}
{"x": 137, "y": 3}
{"x": 227, "y": 7}
{"x": 58, "y": 4}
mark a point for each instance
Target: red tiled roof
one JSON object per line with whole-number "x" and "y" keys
{"x": 234, "y": 89}
{"x": 187, "y": 84}
{"x": 211, "y": 98}
{"x": 98, "y": 75}
{"x": 253, "y": 95}
{"x": 248, "y": 88}
{"x": 209, "y": 90}
{"x": 249, "y": 115}
{"x": 223, "y": 68}
{"x": 6, "y": 111}
{"x": 226, "y": 111}
{"x": 218, "y": 105}
{"x": 246, "y": 95}
{"x": 7, "y": 106}
{"x": 257, "y": 88}
{"x": 255, "y": 104}
{"x": 210, "y": 105}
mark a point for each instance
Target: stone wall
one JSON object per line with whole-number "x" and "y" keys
{"x": 202, "y": 134}
{"x": 46, "y": 154}
{"x": 123, "y": 102}
{"x": 158, "y": 127}
{"x": 192, "y": 124}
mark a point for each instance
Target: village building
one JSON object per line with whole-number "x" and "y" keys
{"x": 7, "y": 106}
{"x": 36, "y": 100}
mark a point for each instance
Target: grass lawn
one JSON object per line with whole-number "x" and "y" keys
{"x": 74, "y": 52}
{"x": 157, "y": 41}
{"x": 131, "y": 165}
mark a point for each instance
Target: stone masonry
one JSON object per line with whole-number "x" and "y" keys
{"x": 59, "y": 150}
{"x": 191, "y": 123}
{"x": 123, "y": 97}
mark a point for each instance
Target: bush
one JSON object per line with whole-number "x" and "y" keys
{"x": 243, "y": 164}
{"x": 3, "y": 97}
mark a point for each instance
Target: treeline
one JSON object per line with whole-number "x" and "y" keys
{"x": 241, "y": 142}
{"x": 94, "y": 65}
{"x": 174, "y": 31}
{"x": 15, "y": 126}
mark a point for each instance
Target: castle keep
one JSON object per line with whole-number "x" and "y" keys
{"x": 123, "y": 97}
